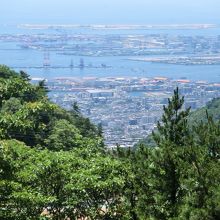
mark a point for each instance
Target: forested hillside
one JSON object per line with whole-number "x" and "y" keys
{"x": 212, "y": 108}
{"x": 54, "y": 165}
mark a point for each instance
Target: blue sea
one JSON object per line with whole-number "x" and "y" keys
{"x": 13, "y": 56}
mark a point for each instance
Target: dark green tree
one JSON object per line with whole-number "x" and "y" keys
{"x": 172, "y": 135}
{"x": 100, "y": 129}
{"x": 200, "y": 178}
{"x": 24, "y": 75}
{"x": 42, "y": 89}
{"x": 75, "y": 109}
{"x": 173, "y": 126}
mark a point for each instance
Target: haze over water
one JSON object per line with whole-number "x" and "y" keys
{"x": 110, "y": 12}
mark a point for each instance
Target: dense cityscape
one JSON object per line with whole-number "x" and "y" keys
{"x": 127, "y": 108}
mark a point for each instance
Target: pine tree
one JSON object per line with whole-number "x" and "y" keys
{"x": 75, "y": 109}
{"x": 42, "y": 88}
{"x": 24, "y": 76}
{"x": 208, "y": 135}
{"x": 172, "y": 135}
{"x": 173, "y": 127}
{"x": 100, "y": 129}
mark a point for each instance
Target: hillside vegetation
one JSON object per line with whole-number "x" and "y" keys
{"x": 212, "y": 108}
{"x": 54, "y": 165}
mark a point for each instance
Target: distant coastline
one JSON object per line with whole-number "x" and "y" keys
{"x": 182, "y": 60}
{"x": 118, "y": 26}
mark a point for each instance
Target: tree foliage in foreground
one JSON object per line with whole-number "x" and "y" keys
{"x": 53, "y": 163}
{"x": 178, "y": 178}
{"x": 37, "y": 183}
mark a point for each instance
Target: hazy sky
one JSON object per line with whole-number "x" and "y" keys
{"x": 109, "y": 11}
